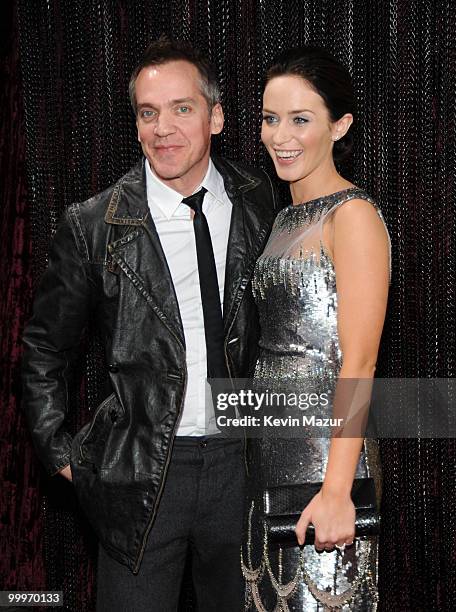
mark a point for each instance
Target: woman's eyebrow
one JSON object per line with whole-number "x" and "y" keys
{"x": 292, "y": 112}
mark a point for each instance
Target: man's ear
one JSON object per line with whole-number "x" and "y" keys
{"x": 340, "y": 127}
{"x": 217, "y": 119}
{"x": 137, "y": 131}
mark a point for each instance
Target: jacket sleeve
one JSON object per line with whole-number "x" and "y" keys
{"x": 51, "y": 339}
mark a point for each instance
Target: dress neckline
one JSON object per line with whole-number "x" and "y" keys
{"x": 324, "y": 197}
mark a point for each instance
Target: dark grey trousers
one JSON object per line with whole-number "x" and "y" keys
{"x": 201, "y": 507}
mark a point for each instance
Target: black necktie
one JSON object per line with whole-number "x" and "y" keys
{"x": 210, "y": 296}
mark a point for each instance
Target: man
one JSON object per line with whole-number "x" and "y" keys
{"x": 154, "y": 267}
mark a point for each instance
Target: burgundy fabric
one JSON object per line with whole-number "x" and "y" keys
{"x": 21, "y": 524}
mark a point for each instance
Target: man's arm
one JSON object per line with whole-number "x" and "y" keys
{"x": 51, "y": 339}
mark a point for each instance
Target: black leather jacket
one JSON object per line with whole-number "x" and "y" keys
{"x": 106, "y": 261}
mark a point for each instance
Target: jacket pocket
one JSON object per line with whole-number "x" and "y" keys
{"x": 93, "y": 441}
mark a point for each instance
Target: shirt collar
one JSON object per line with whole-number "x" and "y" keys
{"x": 213, "y": 182}
{"x": 166, "y": 201}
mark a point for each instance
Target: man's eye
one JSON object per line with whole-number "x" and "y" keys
{"x": 270, "y": 119}
{"x": 147, "y": 114}
{"x": 184, "y": 109}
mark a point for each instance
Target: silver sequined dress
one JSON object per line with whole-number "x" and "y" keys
{"x": 295, "y": 289}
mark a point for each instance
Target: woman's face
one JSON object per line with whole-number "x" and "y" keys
{"x": 297, "y": 130}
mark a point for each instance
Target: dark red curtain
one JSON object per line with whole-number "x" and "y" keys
{"x": 67, "y": 127}
{"x": 21, "y": 522}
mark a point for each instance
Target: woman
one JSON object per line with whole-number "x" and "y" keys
{"x": 332, "y": 234}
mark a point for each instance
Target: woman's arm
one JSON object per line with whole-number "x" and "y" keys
{"x": 359, "y": 244}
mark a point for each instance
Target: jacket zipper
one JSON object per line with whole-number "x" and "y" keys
{"x": 227, "y": 364}
{"x": 165, "y": 471}
{"x": 225, "y": 345}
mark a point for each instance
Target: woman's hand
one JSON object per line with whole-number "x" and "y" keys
{"x": 333, "y": 517}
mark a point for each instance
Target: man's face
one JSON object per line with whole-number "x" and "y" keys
{"x": 174, "y": 123}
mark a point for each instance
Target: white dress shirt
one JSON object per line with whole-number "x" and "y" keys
{"x": 174, "y": 224}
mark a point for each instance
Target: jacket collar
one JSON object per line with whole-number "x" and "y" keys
{"x": 128, "y": 203}
{"x": 237, "y": 180}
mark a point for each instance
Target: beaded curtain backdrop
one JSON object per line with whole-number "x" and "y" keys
{"x": 76, "y": 58}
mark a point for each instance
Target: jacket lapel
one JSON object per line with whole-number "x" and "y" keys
{"x": 138, "y": 252}
{"x": 250, "y": 224}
